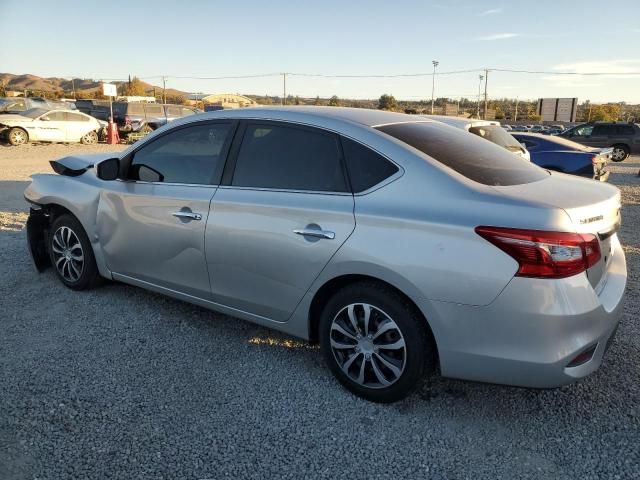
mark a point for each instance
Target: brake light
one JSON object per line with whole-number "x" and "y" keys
{"x": 543, "y": 254}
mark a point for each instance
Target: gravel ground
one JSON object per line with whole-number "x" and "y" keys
{"x": 122, "y": 383}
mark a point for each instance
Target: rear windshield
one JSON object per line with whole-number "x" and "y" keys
{"x": 468, "y": 155}
{"x": 497, "y": 135}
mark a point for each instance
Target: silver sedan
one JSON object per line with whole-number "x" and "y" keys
{"x": 396, "y": 242}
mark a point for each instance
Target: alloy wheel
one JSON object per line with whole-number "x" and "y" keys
{"x": 368, "y": 345}
{"x": 618, "y": 154}
{"x": 67, "y": 254}
{"x": 18, "y": 137}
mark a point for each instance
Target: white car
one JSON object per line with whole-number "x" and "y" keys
{"x": 487, "y": 129}
{"x": 43, "y": 125}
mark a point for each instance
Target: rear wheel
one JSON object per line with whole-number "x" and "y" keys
{"x": 375, "y": 342}
{"x": 620, "y": 153}
{"x": 71, "y": 254}
{"x": 89, "y": 138}
{"x": 18, "y": 136}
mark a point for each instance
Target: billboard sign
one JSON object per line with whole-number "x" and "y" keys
{"x": 557, "y": 109}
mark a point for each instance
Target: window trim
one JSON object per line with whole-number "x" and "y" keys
{"x": 216, "y": 178}
{"x": 232, "y": 159}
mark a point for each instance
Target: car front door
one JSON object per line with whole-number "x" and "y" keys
{"x": 283, "y": 210}
{"x": 579, "y": 134}
{"x": 151, "y": 225}
{"x": 50, "y": 127}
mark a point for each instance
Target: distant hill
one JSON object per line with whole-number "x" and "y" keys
{"x": 60, "y": 86}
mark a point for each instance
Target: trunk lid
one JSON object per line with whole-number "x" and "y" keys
{"x": 592, "y": 207}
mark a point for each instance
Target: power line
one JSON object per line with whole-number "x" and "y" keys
{"x": 552, "y": 72}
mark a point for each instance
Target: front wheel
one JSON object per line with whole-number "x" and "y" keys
{"x": 89, "y": 138}
{"x": 71, "y": 254}
{"x": 620, "y": 153}
{"x": 375, "y": 343}
{"x": 18, "y": 136}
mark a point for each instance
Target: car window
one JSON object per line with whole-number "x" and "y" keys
{"x": 192, "y": 154}
{"x": 604, "y": 130}
{"x": 481, "y": 161}
{"x": 624, "y": 130}
{"x": 497, "y": 135}
{"x": 366, "y": 168}
{"x": 152, "y": 109}
{"x": 135, "y": 109}
{"x": 74, "y": 117}
{"x": 289, "y": 158}
{"x": 583, "y": 131}
{"x": 173, "y": 110}
{"x": 55, "y": 117}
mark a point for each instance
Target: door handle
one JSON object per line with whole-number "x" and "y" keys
{"x": 312, "y": 232}
{"x": 187, "y": 215}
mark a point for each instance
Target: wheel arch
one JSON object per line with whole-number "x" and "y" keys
{"x": 334, "y": 284}
{"x": 18, "y": 127}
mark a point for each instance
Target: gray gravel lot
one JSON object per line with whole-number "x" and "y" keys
{"x": 121, "y": 383}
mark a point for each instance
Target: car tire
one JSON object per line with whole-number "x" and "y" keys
{"x": 89, "y": 138}
{"x": 384, "y": 355}
{"x": 18, "y": 136}
{"x": 71, "y": 254}
{"x": 620, "y": 153}
{"x": 146, "y": 129}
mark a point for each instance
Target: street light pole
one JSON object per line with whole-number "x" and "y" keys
{"x": 481, "y": 77}
{"x": 433, "y": 83}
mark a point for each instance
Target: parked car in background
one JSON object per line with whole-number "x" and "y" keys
{"x": 507, "y": 127}
{"x": 487, "y": 129}
{"x": 147, "y": 117}
{"x": 396, "y": 242}
{"x": 518, "y": 128}
{"x": 562, "y": 155}
{"x": 13, "y": 105}
{"x": 624, "y": 138}
{"x": 537, "y": 128}
{"x": 99, "y": 109}
{"x": 43, "y": 125}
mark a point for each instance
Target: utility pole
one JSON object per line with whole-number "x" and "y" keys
{"x": 73, "y": 86}
{"x": 486, "y": 81}
{"x": 164, "y": 87}
{"x": 515, "y": 116}
{"x": 284, "y": 89}
{"x": 433, "y": 83}
{"x": 481, "y": 77}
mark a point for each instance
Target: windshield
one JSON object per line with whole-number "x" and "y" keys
{"x": 476, "y": 159}
{"x": 34, "y": 112}
{"x": 497, "y": 135}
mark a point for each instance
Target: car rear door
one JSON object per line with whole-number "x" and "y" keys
{"x": 283, "y": 210}
{"x": 77, "y": 125}
{"x": 151, "y": 225}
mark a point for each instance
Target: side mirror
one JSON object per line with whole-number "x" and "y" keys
{"x": 108, "y": 169}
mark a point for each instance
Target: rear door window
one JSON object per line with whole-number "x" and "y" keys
{"x": 624, "y": 130}
{"x": 285, "y": 157}
{"x": 154, "y": 110}
{"x": 366, "y": 168}
{"x": 75, "y": 117}
{"x": 476, "y": 159}
{"x": 135, "y": 109}
{"x": 604, "y": 130}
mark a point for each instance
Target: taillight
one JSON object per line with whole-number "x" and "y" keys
{"x": 594, "y": 159}
{"x": 543, "y": 254}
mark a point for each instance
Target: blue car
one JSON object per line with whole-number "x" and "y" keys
{"x": 562, "y": 155}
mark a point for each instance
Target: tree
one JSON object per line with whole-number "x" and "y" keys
{"x": 604, "y": 113}
{"x": 317, "y": 101}
{"x": 334, "y": 101}
{"x": 135, "y": 88}
{"x": 387, "y": 102}
{"x": 296, "y": 100}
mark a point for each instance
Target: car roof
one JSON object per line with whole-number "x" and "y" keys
{"x": 461, "y": 122}
{"x": 361, "y": 116}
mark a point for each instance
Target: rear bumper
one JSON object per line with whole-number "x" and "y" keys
{"x": 534, "y": 329}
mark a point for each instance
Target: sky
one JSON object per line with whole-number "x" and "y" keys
{"x": 114, "y": 39}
